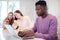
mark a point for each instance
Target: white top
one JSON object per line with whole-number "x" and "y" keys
{"x": 23, "y": 24}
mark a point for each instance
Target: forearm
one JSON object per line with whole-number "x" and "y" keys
{"x": 44, "y": 36}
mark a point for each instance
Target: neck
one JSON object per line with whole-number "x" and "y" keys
{"x": 44, "y": 15}
{"x": 21, "y": 17}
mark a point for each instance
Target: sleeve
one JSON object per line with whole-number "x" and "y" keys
{"x": 29, "y": 23}
{"x": 34, "y": 29}
{"x": 52, "y": 30}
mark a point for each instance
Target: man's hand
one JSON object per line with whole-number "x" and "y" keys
{"x": 25, "y": 33}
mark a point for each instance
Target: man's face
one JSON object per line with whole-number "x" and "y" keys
{"x": 40, "y": 10}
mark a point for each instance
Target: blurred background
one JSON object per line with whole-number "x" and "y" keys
{"x": 27, "y": 7}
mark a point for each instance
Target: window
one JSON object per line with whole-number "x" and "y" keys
{"x": 8, "y": 6}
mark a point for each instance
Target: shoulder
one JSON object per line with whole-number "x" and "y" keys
{"x": 6, "y": 19}
{"x": 26, "y": 17}
{"x": 52, "y": 18}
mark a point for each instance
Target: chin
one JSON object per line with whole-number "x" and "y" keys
{"x": 38, "y": 15}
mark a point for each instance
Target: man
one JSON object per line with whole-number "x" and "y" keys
{"x": 45, "y": 26}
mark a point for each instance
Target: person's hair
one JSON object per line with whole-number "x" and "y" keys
{"x": 10, "y": 13}
{"x": 17, "y": 11}
{"x": 12, "y": 20}
{"x": 41, "y": 3}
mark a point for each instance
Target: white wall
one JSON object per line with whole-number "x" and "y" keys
{"x": 27, "y": 7}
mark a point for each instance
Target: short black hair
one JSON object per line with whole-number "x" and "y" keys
{"x": 41, "y": 3}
